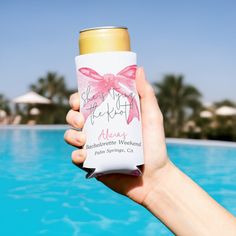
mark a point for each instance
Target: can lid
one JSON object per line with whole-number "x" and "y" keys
{"x": 104, "y": 39}
{"x": 103, "y": 27}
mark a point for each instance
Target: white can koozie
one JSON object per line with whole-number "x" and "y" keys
{"x": 110, "y": 105}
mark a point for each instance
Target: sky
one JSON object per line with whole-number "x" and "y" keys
{"x": 194, "y": 38}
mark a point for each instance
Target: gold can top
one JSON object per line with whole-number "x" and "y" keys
{"x": 104, "y": 39}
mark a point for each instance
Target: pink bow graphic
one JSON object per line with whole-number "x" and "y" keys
{"x": 100, "y": 86}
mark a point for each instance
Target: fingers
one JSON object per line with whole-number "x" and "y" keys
{"x": 75, "y": 119}
{"x": 74, "y": 101}
{"x": 75, "y": 138}
{"x": 78, "y": 156}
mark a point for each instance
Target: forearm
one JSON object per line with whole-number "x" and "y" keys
{"x": 187, "y": 209}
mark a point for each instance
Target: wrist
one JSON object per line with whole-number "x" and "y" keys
{"x": 165, "y": 199}
{"x": 159, "y": 184}
{"x": 184, "y": 207}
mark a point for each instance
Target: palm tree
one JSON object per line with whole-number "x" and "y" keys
{"x": 177, "y": 102}
{"x": 225, "y": 102}
{"x": 4, "y": 104}
{"x": 51, "y": 86}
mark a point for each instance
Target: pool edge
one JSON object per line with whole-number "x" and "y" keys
{"x": 200, "y": 142}
{"x": 43, "y": 127}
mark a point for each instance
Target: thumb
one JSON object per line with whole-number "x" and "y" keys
{"x": 148, "y": 100}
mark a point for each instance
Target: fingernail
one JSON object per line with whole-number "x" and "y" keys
{"x": 78, "y": 120}
{"x": 138, "y": 71}
{"x": 80, "y": 138}
{"x": 77, "y": 137}
{"x": 141, "y": 72}
{"x": 70, "y": 101}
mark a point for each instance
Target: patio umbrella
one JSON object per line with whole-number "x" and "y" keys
{"x": 3, "y": 114}
{"x": 206, "y": 114}
{"x": 226, "y": 111}
{"x": 32, "y": 98}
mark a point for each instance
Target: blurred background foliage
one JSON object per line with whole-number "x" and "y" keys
{"x": 180, "y": 104}
{"x": 52, "y": 86}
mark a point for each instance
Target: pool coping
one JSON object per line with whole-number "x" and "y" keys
{"x": 43, "y": 127}
{"x": 199, "y": 142}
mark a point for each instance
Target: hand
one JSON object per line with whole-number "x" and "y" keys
{"x": 156, "y": 160}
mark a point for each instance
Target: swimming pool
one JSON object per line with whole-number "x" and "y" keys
{"x": 42, "y": 193}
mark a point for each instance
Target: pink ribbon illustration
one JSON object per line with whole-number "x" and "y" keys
{"x": 100, "y": 85}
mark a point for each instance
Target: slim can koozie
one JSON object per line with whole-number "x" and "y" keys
{"x": 109, "y": 102}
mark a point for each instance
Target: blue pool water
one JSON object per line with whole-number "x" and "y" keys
{"x": 42, "y": 193}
